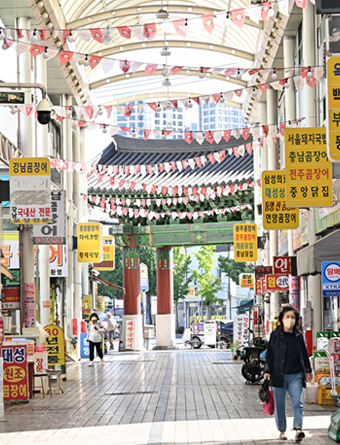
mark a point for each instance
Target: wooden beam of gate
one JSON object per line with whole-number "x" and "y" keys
{"x": 121, "y": 77}
{"x": 140, "y": 10}
{"x": 174, "y": 44}
{"x": 163, "y": 96}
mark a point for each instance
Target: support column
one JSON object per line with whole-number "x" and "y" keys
{"x": 83, "y": 209}
{"x": 27, "y": 146}
{"x": 131, "y": 279}
{"x": 77, "y": 199}
{"x": 309, "y": 49}
{"x": 44, "y": 251}
{"x": 272, "y": 165}
{"x": 165, "y": 319}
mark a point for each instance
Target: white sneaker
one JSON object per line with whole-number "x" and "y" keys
{"x": 102, "y": 362}
{"x": 91, "y": 364}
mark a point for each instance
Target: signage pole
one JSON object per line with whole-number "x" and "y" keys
{"x": 314, "y": 282}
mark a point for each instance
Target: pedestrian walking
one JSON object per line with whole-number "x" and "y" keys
{"x": 95, "y": 332}
{"x": 111, "y": 329}
{"x": 287, "y": 368}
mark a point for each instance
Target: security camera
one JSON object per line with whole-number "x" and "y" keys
{"x": 44, "y": 112}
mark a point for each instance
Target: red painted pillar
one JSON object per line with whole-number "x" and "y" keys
{"x": 131, "y": 278}
{"x": 165, "y": 320}
{"x": 165, "y": 292}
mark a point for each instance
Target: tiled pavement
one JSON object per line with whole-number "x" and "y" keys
{"x": 171, "y": 398}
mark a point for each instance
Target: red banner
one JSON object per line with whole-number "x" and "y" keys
{"x": 15, "y": 372}
{"x": 282, "y": 265}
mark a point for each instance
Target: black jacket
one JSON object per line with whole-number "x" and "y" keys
{"x": 275, "y": 356}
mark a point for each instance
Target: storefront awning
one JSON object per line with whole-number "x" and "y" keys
{"x": 326, "y": 249}
{"x": 108, "y": 283}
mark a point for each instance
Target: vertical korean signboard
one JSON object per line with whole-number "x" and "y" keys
{"x": 308, "y": 169}
{"x": 276, "y": 215}
{"x": 333, "y": 121}
{"x": 90, "y": 242}
{"x": 30, "y": 190}
{"x": 15, "y": 372}
{"x": 54, "y": 231}
{"x": 55, "y": 347}
{"x": 130, "y": 334}
{"x": 245, "y": 242}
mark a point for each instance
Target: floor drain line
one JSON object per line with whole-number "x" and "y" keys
{"x": 129, "y": 393}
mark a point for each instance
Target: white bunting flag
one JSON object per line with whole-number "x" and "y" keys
{"x": 108, "y": 65}
{"x": 84, "y": 34}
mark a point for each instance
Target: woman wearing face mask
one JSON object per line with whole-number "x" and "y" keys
{"x": 287, "y": 368}
{"x": 95, "y": 332}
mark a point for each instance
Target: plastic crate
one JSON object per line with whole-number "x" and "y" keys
{"x": 324, "y": 395}
{"x": 318, "y": 376}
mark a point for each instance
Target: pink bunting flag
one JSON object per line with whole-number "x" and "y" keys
{"x": 124, "y": 65}
{"x": 227, "y": 135}
{"x": 150, "y": 30}
{"x": 94, "y": 61}
{"x": 238, "y": 93}
{"x": 188, "y": 137}
{"x": 208, "y": 22}
{"x": 311, "y": 81}
{"x": 150, "y": 69}
{"x": 89, "y": 111}
{"x": 175, "y": 104}
{"x": 35, "y": 50}
{"x": 65, "y": 56}
{"x": 180, "y": 27}
{"x": 239, "y": 17}
{"x": 176, "y": 69}
{"x": 209, "y": 138}
{"x": 301, "y": 3}
{"x": 221, "y": 155}
{"x": 146, "y": 137}
{"x": 245, "y": 133}
{"x": 97, "y": 34}
{"x": 265, "y": 8}
{"x": 216, "y": 98}
{"x": 124, "y": 31}
{"x": 230, "y": 72}
{"x": 263, "y": 87}
{"x": 282, "y": 129}
{"x": 198, "y": 162}
{"x": 236, "y": 153}
{"x": 153, "y": 106}
{"x": 249, "y": 148}
{"x": 108, "y": 111}
{"x": 128, "y": 110}
{"x": 211, "y": 158}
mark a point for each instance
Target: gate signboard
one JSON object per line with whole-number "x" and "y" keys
{"x": 54, "y": 231}
{"x": 30, "y": 190}
{"x": 331, "y": 278}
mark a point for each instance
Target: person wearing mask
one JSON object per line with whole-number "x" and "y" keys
{"x": 111, "y": 329}
{"x": 95, "y": 332}
{"x": 287, "y": 368}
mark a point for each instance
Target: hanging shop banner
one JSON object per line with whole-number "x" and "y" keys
{"x": 99, "y": 304}
{"x": 90, "y": 242}
{"x": 15, "y": 372}
{"x": 10, "y": 298}
{"x": 276, "y": 216}
{"x": 245, "y": 242}
{"x": 130, "y": 334}
{"x": 247, "y": 280}
{"x": 294, "y": 292}
{"x": 277, "y": 283}
{"x": 333, "y": 121}
{"x": 261, "y": 271}
{"x": 260, "y": 278}
{"x": 144, "y": 277}
{"x": 331, "y": 278}
{"x": 308, "y": 169}
{"x": 30, "y": 190}
{"x": 29, "y": 305}
{"x": 191, "y": 292}
{"x": 86, "y": 307}
{"x": 241, "y": 332}
{"x": 282, "y": 264}
{"x": 54, "y": 232}
{"x": 58, "y": 261}
{"x": 108, "y": 262}
{"x": 55, "y": 346}
{"x": 10, "y": 250}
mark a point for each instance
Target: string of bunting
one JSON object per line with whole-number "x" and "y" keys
{"x": 149, "y": 214}
{"x": 125, "y": 66}
{"x": 190, "y": 193}
{"x": 149, "y": 31}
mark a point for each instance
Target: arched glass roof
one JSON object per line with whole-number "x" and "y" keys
{"x": 228, "y": 46}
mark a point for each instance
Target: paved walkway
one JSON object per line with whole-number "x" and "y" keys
{"x": 170, "y": 398}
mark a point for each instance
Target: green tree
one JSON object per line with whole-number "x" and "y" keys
{"x": 232, "y": 268}
{"x": 182, "y": 276}
{"x": 208, "y": 284}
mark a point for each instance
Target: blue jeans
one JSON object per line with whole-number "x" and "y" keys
{"x": 293, "y": 383}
